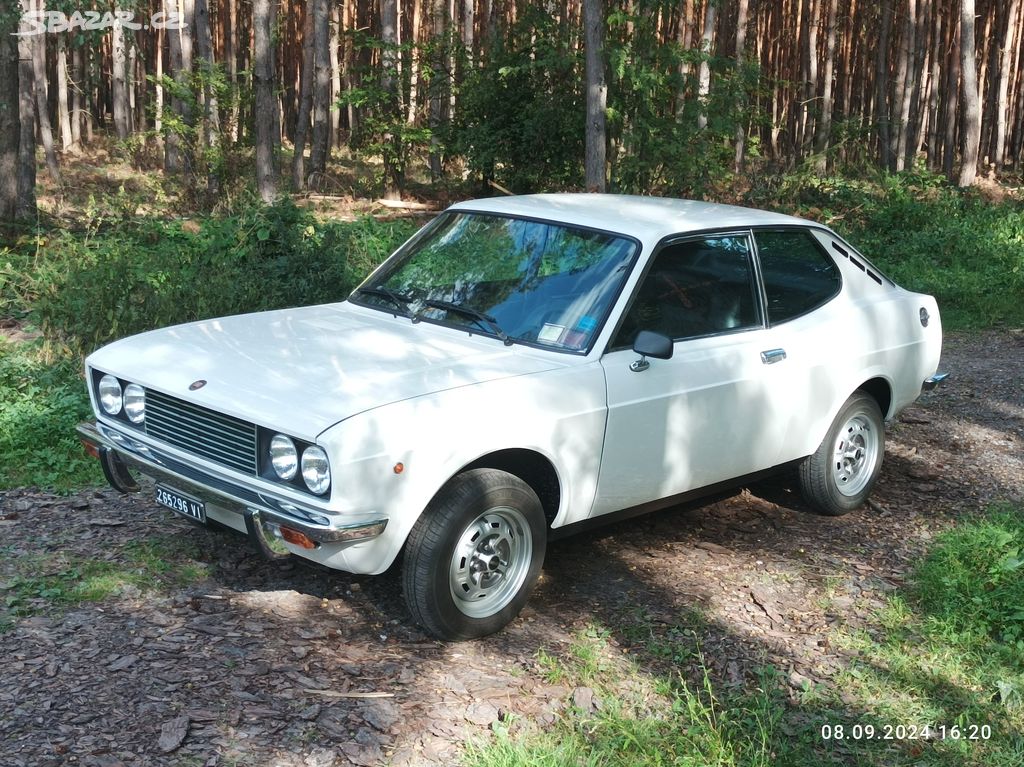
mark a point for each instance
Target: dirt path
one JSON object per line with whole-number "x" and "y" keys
{"x": 240, "y": 661}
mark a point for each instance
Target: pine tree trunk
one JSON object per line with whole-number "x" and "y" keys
{"x": 10, "y": 128}
{"x": 77, "y": 83}
{"x": 999, "y": 153}
{"x": 177, "y": 154}
{"x": 704, "y": 77}
{"x": 393, "y": 171}
{"x": 971, "y": 99}
{"x": 905, "y": 87}
{"x": 265, "y": 110}
{"x": 823, "y": 133}
{"x": 741, "y": 40}
{"x": 211, "y": 117}
{"x": 42, "y": 103}
{"x": 305, "y": 105}
{"x": 438, "y": 83}
{"x": 597, "y": 95}
{"x": 118, "y": 76}
{"x": 952, "y": 92}
{"x": 231, "y": 57}
{"x": 26, "y": 204}
{"x": 321, "y": 89}
{"x": 684, "y": 36}
{"x": 335, "y": 77}
{"x": 468, "y": 40}
{"x": 63, "y": 111}
{"x": 158, "y": 89}
{"x": 807, "y": 113}
{"x": 414, "y": 64}
{"x": 882, "y": 113}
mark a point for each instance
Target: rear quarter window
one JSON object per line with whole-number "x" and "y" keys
{"x": 798, "y": 275}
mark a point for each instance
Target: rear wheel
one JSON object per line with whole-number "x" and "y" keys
{"x": 838, "y": 477}
{"x": 474, "y": 555}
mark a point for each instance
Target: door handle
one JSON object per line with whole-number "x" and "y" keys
{"x": 772, "y": 356}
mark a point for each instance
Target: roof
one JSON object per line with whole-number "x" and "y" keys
{"x": 645, "y": 218}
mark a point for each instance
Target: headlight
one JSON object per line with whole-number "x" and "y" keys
{"x": 315, "y": 470}
{"x": 135, "y": 403}
{"x": 283, "y": 457}
{"x": 110, "y": 395}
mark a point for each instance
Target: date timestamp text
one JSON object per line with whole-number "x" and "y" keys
{"x": 906, "y": 732}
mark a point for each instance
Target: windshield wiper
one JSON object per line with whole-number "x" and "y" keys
{"x": 474, "y": 314}
{"x": 400, "y": 300}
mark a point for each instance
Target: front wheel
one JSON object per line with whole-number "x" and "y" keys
{"x": 474, "y": 555}
{"x": 839, "y": 475}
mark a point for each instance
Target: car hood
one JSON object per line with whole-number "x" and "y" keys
{"x": 303, "y": 370}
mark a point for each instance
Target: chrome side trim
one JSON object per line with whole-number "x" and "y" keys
{"x": 120, "y": 452}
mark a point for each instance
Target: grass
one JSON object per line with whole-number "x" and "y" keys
{"x": 944, "y": 653}
{"x": 42, "y": 399}
{"x": 39, "y": 582}
{"x": 638, "y": 722}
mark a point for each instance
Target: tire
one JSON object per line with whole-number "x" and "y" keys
{"x": 840, "y": 474}
{"x": 474, "y": 555}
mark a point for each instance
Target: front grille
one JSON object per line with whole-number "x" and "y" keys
{"x": 217, "y": 437}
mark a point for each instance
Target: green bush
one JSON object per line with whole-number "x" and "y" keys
{"x": 42, "y": 399}
{"x": 520, "y": 118}
{"x": 973, "y": 580}
{"x": 146, "y": 273}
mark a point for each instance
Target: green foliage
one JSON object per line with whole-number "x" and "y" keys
{"x": 662, "y": 148}
{"x": 972, "y": 582}
{"x": 681, "y": 722}
{"x": 520, "y": 118}
{"x": 42, "y": 399}
{"x": 205, "y": 154}
{"x": 383, "y": 130}
{"x": 146, "y": 273}
{"x": 948, "y": 652}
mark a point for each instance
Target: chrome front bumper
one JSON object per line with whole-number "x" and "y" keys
{"x": 119, "y": 454}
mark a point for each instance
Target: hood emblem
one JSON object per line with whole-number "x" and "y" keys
{"x": 196, "y": 385}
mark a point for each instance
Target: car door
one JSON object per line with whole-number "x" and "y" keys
{"x": 718, "y": 408}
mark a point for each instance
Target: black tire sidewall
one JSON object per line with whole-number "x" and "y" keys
{"x": 458, "y": 505}
{"x": 818, "y": 479}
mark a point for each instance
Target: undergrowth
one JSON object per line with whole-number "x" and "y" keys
{"x": 42, "y": 399}
{"x": 117, "y": 278}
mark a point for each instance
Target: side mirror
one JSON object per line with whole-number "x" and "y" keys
{"x": 650, "y": 344}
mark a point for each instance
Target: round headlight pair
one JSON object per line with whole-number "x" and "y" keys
{"x": 113, "y": 399}
{"x": 284, "y": 457}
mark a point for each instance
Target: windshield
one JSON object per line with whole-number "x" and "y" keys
{"x": 522, "y": 281}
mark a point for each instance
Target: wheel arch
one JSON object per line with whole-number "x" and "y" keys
{"x": 880, "y": 390}
{"x": 533, "y": 468}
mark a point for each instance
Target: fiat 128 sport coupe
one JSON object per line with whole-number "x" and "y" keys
{"x": 521, "y": 367}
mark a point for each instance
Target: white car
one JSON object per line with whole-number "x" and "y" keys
{"x": 521, "y": 367}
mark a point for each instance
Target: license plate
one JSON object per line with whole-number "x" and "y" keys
{"x": 175, "y": 501}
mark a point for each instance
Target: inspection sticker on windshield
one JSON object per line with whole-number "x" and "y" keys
{"x": 550, "y": 333}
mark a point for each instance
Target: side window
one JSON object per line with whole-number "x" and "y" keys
{"x": 695, "y": 288}
{"x": 798, "y": 275}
